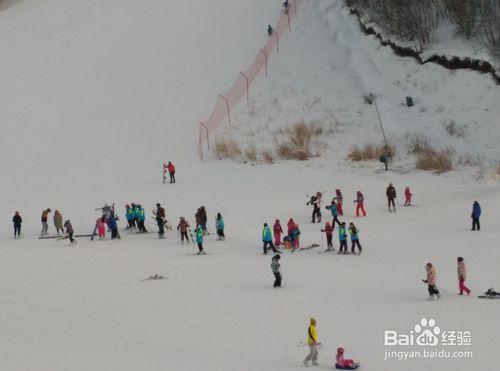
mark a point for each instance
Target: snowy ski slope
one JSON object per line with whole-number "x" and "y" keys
{"x": 97, "y": 94}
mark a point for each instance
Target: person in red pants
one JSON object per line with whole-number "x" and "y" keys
{"x": 278, "y": 231}
{"x": 360, "y": 203}
{"x": 340, "y": 200}
{"x": 462, "y": 275}
{"x": 408, "y": 196}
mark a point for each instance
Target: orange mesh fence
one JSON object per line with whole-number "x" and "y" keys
{"x": 230, "y": 98}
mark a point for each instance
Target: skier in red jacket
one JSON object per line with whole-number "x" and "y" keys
{"x": 171, "y": 171}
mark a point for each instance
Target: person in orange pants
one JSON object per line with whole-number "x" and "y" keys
{"x": 360, "y": 201}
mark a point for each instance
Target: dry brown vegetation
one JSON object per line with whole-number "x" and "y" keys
{"x": 267, "y": 157}
{"x": 370, "y": 152}
{"x": 226, "y": 148}
{"x": 296, "y": 141}
{"x": 250, "y": 153}
{"x": 432, "y": 160}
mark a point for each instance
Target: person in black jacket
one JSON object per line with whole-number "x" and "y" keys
{"x": 391, "y": 196}
{"x": 17, "y": 220}
{"x": 201, "y": 219}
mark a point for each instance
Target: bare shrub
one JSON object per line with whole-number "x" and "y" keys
{"x": 453, "y": 129}
{"x": 418, "y": 144}
{"x": 250, "y": 153}
{"x": 226, "y": 148}
{"x": 268, "y": 157}
{"x": 370, "y": 152}
{"x": 432, "y": 160}
{"x": 296, "y": 141}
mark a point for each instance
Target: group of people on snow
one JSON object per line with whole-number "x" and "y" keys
{"x": 336, "y": 209}
{"x": 431, "y": 279}
{"x": 136, "y": 217}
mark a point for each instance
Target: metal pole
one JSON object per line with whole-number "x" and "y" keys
{"x": 248, "y": 86}
{"x": 227, "y": 106}
{"x": 289, "y": 25}
{"x": 208, "y": 139}
{"x": 277, "y": 42}
{"x": 380, "y": 122}
{"x": 295, "y": 5}
{"x": 265, "y": 55}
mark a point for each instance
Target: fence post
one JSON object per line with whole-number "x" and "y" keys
{"x": 248, "y": 86}
{"x": 289, "y": 25}
{"x": 227, "y": 106}
{"x": 265, "y": 55}
{"x": 277, "y": 42}
{"x": 208, "y": 138}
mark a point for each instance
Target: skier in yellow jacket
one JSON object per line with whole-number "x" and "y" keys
{"x": 312, "y": 341}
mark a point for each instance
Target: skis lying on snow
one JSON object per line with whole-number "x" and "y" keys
{"x": 313, "y": 246}
{"x": 490, "y": 294}
{"x": 63, "y": 237}
{"x": 329, "y": 249}
{"x": 489, "y": 297}
{"x": 154, "y": 278}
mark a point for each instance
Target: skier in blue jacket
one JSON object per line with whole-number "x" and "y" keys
{"x": 199, "y": 240}
{"x": 219, "y": 226}
{"x": 335, "y": 212}
{"x": 342, "y": 239}
{"x": 476, "y": 213}
{"x": 267, "y": 239}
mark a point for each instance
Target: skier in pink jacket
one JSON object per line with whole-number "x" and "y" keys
{"x": 431, "y": 281}
{"x": 462, "y": 275}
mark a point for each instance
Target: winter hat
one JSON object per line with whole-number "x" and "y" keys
{"x": 460, "y": 259}
{"x": 340, "y": 350}
{"x": 265, "y": 224}
{"x": 312, "y": 321}
{"x": 158, "y": 204}
{"x": 277, "y": 257}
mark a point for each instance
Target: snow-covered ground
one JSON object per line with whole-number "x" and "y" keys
{"x": 98, "y": 94}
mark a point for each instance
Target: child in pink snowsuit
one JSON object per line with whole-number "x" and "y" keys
{"x": 101, "y": 227}
{"x": 340, "y": 200}
{"x": 342, "y": 363}
{"x": 462, "y": 274}
{"x": 408, "y": 196}
{"x": 277, "y": 232}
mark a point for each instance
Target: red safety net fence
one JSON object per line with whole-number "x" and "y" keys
{"x": 225, "y": 102}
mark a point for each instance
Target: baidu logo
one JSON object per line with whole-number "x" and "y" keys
{"x": 424, "y": 333}
{"x": 427, "y": 333}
